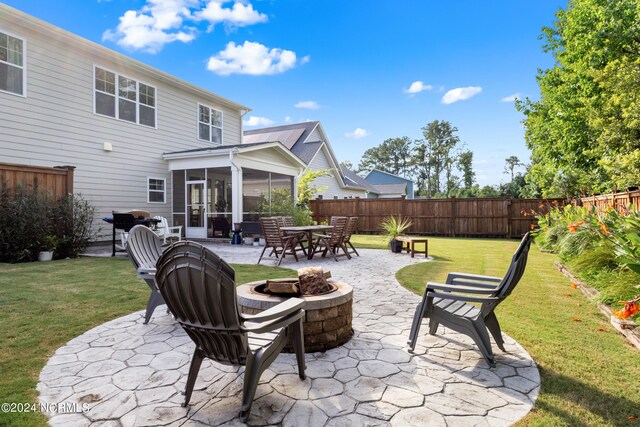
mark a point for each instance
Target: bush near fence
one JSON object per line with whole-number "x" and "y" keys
{"x": 467, "y": 217}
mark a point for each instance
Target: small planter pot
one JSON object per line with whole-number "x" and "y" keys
{"x": 248, "y": 240}
{"x": 45, "y": 256}
{"x": 261, "y": 242}
{"x": 396, "y": 247}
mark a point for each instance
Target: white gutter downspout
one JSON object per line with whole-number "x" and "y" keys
{"x": 236, "y": 188}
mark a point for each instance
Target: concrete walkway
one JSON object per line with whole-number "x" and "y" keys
{"x": 132, "y": 374}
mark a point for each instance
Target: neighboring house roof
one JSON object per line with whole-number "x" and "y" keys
{"x": 357, "y": 180}
{"x": 296, "y": 137}
{"x": 387, "y": 189}
{"x": 293, "y": 136}
{"x": 373, "y": 171}
{"x": 80, "y": 44}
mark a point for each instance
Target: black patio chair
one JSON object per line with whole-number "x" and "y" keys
{"x": 452, "y": 304}
{"x": 144, "y": 248}
{"x": 200, "y": 291}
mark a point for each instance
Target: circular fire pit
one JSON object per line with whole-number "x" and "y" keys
{"x": 327, "y": 322}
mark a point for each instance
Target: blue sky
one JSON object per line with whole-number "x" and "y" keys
{"x": 368, "y": 70}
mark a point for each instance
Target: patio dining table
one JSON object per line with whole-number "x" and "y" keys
{"x": 308, "y": 230}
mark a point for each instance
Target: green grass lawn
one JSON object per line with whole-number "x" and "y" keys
{"x": 589, "y": 376}
{"x": 44, "y": 305}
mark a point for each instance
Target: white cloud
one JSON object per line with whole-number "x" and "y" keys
{"x": 417, "y": 87}
{"x": 460, "y": 94}
{"x": 251, "y": 58}
{"x": 287, "y": 119}
{"x": 160, "y": 22}
{"x": 512, "y": 97}
{"x": 357, "y": 133}
{"x": 239, "y": 15}
{"x": 258, "y": 121}
{"x": 307, "y": 105}
{"x": 305, "y": 59}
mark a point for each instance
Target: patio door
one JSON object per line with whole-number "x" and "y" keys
{"x": 196, "y": 225}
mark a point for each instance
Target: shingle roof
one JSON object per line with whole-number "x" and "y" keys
{"x": 305, "y": 151}
{"x": 291, "y": 136}
{"x": 354, "y": 180}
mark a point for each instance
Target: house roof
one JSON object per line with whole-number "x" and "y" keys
{"x": 357, "y": 180}
{"x": 293, "y": 136}
{"x": 389, "y": 174}
{"x": 239, "y": 148}
{"x": 80, "y": 44}
{"x": 296, "y": 137}
{"x": 391, "y": 188}
{"x": 221, "y": 147}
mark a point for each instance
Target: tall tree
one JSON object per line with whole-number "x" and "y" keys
{"x": 347, "y": 164}
{"x": 393, "y": 156}
{"x": 511, "y": 163}
{"x": 465, "y": 164}
{"x": 435, "y": 156}
{"x": 583, "y": 126}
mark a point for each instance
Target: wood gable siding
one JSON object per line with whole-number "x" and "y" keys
{"x": 55, "y": 124}
{"x": 321, "y": 161}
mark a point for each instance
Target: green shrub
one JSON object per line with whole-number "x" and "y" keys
{"x": 32, "y": 220}
{"x": 600, "y": 247}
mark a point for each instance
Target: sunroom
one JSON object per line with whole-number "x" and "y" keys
{"x": 214, "y": 188}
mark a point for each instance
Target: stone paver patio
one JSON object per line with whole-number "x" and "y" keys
{"x": 131, "y": 374}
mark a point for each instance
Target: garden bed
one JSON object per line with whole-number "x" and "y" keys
{"x": 631, "y": 333}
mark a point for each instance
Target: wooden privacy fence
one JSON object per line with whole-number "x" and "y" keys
{"x": 57, "y": 180}
{"x": 472, "y": 217}
{"x": 619, "y": 200}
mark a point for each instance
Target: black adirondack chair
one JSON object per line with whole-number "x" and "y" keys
{"x": 200, "y": 291}
{"x": 466, "y": 304}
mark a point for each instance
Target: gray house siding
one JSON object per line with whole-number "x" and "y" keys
{"x": 55, "y": 124}
{"x": 379, "y": 177}
{"x": 320, "y": 161}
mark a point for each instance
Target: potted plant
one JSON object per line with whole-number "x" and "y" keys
{"x": 394, "y": 226}
{"x": 48, "y": 244}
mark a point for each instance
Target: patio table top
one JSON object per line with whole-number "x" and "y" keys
{"x": 133, "y": 374}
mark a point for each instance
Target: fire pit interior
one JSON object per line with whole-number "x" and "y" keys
{"x": 328, "y": 315}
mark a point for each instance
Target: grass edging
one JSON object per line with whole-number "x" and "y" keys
{"x": 629, "y": 333}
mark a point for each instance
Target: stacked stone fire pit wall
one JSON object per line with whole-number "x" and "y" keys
{"x": 328, "y": 317}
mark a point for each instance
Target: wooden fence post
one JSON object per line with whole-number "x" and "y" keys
{"x": 509, "y": 219}
{"x": 453, "y": 217}
{"x": 69, "y": 182}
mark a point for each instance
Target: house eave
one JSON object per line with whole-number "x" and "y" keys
{"x": 110, "y": 56}
{"x": 222, "y": 151}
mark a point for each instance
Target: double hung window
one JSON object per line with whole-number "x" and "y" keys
{"x": 12, "y": 64}
{"x": 156, "y": 190}
{"x": 124, "y": 98}
{"x": 209, "y": 124}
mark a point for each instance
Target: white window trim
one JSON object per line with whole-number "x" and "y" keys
{"x": 24, "y": 65}
{"x": 164, "y": 192}
{"x": 117, "y": 117}
{"x": 210, "y": 124}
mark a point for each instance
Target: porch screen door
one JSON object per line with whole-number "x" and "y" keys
{"x": 196, "y": 209}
